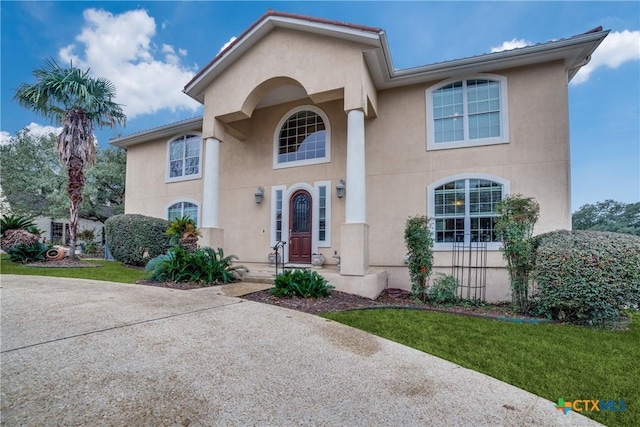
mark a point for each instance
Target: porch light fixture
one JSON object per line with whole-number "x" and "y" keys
{"x": 340, "y": 189}
{"x": 259, "y": 195}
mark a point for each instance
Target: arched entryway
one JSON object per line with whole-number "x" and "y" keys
{"x": 300, "y": 227}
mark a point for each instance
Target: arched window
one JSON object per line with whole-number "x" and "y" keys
{"x": 468, "y": 112}
{"x": 184, "y": 160}
{"x": 463, "y": 208}
{"x": 302, "y": 138}
{"x": 180, "y": 209}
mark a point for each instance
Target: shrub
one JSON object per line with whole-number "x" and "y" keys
{"x": 302, "y": 283}
{"x": 444, "y": 289}
{"x": 16, "y": 222}
{"x": 204, "y": 265}
{"x": 14, "y": 237}
{"x": 87, "y": 235}
{"x": 419, "y": 242}
{"x": 587, "y": 277}
{"x": 183, "y": 231}
{"x": 134, "y": 239}
{"x": 517, "y": 215}
{"x": 25, "y": 253}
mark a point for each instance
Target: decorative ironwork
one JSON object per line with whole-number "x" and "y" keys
{"x": 469, "y": 267}
{"x": 301, "y": 213}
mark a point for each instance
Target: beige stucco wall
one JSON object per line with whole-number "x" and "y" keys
{"x": 398, "y": 167}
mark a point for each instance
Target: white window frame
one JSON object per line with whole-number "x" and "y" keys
{"x": 448, "y": 246}
{"x": 314, "y": 191}
{"x": 195, "y": 202}
{"x": 466, "y": 142}
{"x": 276, "y": 139}
{"x": 168, "y": 177}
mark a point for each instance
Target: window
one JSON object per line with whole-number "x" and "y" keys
{"x": 180, "y": 209}
{"x": 467, "y": 112}
{"x": 184, "y": 158}
{"x": 463, "y": 209}
{"x": 302, "y": 138}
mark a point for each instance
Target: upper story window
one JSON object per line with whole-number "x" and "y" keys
{"x": 180, "y": 209}
{"x": 463, "y": 209}
{"x": 469, "y": 112}
{"x": 184, "y": 158}
{"x": 302, "y": 138}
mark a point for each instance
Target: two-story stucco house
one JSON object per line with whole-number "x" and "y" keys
{"x": 342, "y": 148}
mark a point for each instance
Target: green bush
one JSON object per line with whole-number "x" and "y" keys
{"x": 587, "y": 277}
{"x": 302, "y": 283}
{"x": 444, "y": 289}
{"x": 517, "y": 215}
{"x": 25, "y": 253}
{"x": 134, "y": 239}
{"x": 17, "y": 222}
{"x": 204, "y": 266}
{"x": 418, "y": 239}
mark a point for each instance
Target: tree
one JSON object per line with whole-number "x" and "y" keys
{"x": 79, "y": 103}
{"x": 32, "y": 179}
{"x": 608, "y": 216}
{"x": 34, "y": 183}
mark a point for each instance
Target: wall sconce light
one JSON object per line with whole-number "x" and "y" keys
{"x": 259, "y": 195}
{"x": 340, "y": 189}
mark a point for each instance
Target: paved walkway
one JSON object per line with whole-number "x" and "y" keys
{"x": 84, "y": 352}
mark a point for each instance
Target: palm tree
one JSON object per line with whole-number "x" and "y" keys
{"x": 79, "y": 103}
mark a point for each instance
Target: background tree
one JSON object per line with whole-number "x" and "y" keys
{"x": 608, "y": 216}
{"x": 34, "y": 184}
{"x": 79, "y": 103}
{"x": 32, "y": 179}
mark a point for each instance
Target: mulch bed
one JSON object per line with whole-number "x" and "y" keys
{"x": 65, "y": 262}
{"x": 340, "y": 301}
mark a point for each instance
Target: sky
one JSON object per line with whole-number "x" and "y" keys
{"x": 150, "y": 50}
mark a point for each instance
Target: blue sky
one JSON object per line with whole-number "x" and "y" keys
{"x": 150, "y": 50}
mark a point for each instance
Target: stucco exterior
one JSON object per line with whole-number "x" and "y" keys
{"x": 377, "y": 138}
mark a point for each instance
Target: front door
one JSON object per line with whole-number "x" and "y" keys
{"x": 300, "y": 227}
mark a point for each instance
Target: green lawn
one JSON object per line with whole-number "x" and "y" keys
{"x": 112, "y": 271}
{"x": 550, "y": 360}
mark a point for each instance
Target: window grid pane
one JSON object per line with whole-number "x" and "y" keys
{"x": 483, "y": 110}
{"x": 184, "y": 156}
{"x": 449, "y": 210}
{"x": 278, "y": 215}
{"x": 302, "y": 137}
{"x": 322, "y": 215}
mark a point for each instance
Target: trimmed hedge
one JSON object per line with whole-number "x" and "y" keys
{"x": 134, "y": 239}
{"x": 587, "y": 277}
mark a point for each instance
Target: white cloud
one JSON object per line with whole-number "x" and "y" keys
{"x": 511, "y": 44}
{"x": 120, "y": 48}
{"x": 619, "y": 47}
{"x": 34, "y": 128}
{"x": 4, "y": 137}
{"x": 226, "y": 45}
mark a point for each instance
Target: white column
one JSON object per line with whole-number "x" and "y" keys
{"x": 356, "y": 203}
{"x": 211, "y": 187}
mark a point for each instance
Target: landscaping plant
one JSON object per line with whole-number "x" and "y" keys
{"x": 444, "y": 289}
{"x": 517, "y": 215}
{"x": 183, "y": 231}
{"x": 204, "y": 266}
{"x": 28, "y": 252}
{"x": 587, "y": 277}
{"x": 418, "y": 239}
{"x": 79, "y": 103}
{"x": 134, "y": 239}
{"x": 301, "y": 283}
{"x": 17, "y": 230}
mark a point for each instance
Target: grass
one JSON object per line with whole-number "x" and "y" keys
{"x": 549, "y": 360}
{"x": 112, "y": 271}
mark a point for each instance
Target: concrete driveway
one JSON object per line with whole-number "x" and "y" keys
{"x": 84, "y": 352}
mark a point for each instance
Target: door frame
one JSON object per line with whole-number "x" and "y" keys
{"x": 286, "y": 202}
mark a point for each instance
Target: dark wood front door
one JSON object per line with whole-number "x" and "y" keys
{"x": 300, "y": 227}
